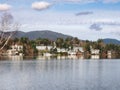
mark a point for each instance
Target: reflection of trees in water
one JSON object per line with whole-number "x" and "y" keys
{"x": 11, "y": 57}
{"x": 69, "y": 57}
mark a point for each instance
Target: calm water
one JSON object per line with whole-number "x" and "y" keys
{"x": 60, "y": 75}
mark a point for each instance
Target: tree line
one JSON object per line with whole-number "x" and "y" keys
{"x": 29, "y": 46}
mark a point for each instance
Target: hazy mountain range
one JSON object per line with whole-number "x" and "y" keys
{"x": 113, "y": 41}
{"x": 53, "y": 36}
{"x": 41, "y": 34}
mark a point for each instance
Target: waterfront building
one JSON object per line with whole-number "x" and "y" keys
{"x": 15, "y": 50}
{"x": 44, "y": 48}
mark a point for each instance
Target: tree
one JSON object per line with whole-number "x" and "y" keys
{"x": 7, "y": 28}
{"x": 59, "y": 42}
{"x": 76, "y": 40}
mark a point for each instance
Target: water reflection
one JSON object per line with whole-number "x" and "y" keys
{"x": 16, "y": 57}
{"x": 71, "y": 57}
{"x": 60, "y": 75}
{"x": 95, "y": 56}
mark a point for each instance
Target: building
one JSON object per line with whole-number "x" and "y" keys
{"x": 78, "y": 49}
{"x": 43, "y": 48}
{"x": 15, "y": 50}
{"x": 111, "y": 54}
{"x": 17, "y": 47}
{"x": 61, "y": 50}
{"x": 95, "y": 51}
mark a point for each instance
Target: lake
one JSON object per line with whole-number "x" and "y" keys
{"x": 60, "y": 74}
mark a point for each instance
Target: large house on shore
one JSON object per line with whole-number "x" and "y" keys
{"x": 44, "y": 48}
{"x": 15, "y": 50}
{"x": 94, "y": 51}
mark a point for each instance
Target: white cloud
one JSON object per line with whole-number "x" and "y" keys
{"x": 40, "y": 5}
{"x": 88, "y": 1}
{"x": 4, "y": 7}
{"x": 111, "y": 1}
{"x": 76, "y": 1}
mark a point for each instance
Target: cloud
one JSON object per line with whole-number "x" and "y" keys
{"x": 76, "y": 1}
{"x": 88, "y": 1}
{"x": 4, "y": 7}
{"x": 40, "y": 5}
{"x": 96, "y": 27}
{"x": 111, "y": 1}
{"x": 84, "y": 13}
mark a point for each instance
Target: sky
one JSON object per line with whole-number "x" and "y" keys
{"x": 85, "y": 19}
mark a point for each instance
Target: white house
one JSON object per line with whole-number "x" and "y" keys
{"x": 61, "y": 50}
{"x": 77, "y": 48}
{"x": 42, "y": 48}
{"x": 110, "y": 53}
{"x": 95, "y": 51}
{"x": 15, "y": 50}
{"x": 17, "y": 47}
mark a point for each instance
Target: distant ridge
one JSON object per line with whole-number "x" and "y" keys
{"x": 41, "y": 34}
{"x": 111, "y": 41}
{"x": 32, "y": 35}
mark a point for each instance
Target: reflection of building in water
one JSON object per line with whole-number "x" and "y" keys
{"x": 71, "y": 57}
{"x": 95, "y": 57}
{"x": 61, "y": 57}
{"x": 75, "y": 57}
{"x": 43, "y": 57}
{"x": 15, "y": 57}
{"x": 47, "y": 54}
{"x": 111, "y": 54}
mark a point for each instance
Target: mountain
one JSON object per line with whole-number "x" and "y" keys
{"x": 111, "y": 41}
{"x": 40, "y": 34}
{"x": 53, "y": 36}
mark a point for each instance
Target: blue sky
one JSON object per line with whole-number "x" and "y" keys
{"x": 85, "y": 19}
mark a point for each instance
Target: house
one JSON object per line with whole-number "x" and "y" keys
{"x": 40, "y": 48}
{"x": 111, "y": 54}
{"x": 17, "y": 47}
{"x": 78, "y": 49}
{"x": 61, "y": 50}
{"x": 43, "y": 48}
{"x": 95, "y": 51}
{"x": 15, "y": 50}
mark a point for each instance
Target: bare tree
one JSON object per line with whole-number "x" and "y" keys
{"x": 7, "y": 29}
